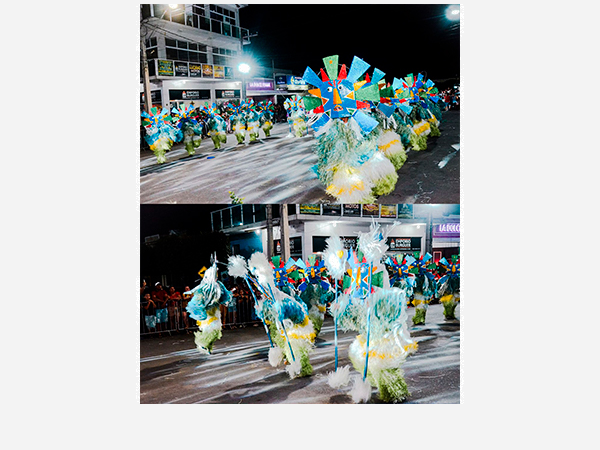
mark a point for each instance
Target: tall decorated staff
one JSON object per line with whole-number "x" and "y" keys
{"x": 286, "y": 319}
{"x": 449, "y": 284}
{"x": 204, "y": 308}
{"x": 296, "y": 116}
{"x": 349, "y": 164}
{"x": 265, "y": 114}
{"x": 217, "y": 127}
{"x": 335, "y": 256}
{"x": 252, "y": 121}
{"x": 238, "y": 121}
{"x": 160, "y": 134}
{"x": 425, "y": 285}
{"x": 314, "y": 289}
{"x": 187, "y": 122}
{"x": 378, "y": 314}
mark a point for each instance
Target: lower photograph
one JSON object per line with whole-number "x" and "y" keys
{"x": 299, "y": 303}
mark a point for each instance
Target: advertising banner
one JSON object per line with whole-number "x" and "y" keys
{"x": 165, "y": 68}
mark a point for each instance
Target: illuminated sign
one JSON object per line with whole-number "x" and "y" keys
{"x": 260, "y": 85}
{"x": 449, "y": 229}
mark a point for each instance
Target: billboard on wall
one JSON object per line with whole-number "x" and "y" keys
{"x": 310, "y": 209}
{"x": 404, "y": 244}
{"x": 165, "y": 68}
{"x": 195, "y": 70}
{"x": 181, "y": 69}
{"x": 332, "y": 209}
{"x": 405, "y": 211}
{"x": 207, "y": 70}
{"x": 370, "y": 210}
{"x": 351, "y": 209}
{"x": 388, "y": 211}
{"x": 219, "y": 71}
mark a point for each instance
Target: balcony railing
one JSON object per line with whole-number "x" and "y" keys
{"x": 200, "y": 22}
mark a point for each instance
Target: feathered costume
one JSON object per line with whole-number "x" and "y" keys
{"x": 204, "y": 308}
{"x": 349, "y": 162}
{"x": 286, "y": 317}
{"x": 411, "y": 94}
{"x": 314, "y": 290}
{"x": 238, "y": 121}
{"x": 449, "y": 284}
{"x": 379, "y": 316}
{"x": 425, "y": 285}
{"x": 296, "y": 115}
{"x": 160, "y": 134}
{"x": 252, "y": 121}
{"x": 266, "y": 117}
{"x": 216, "y": 125}
{"x": 187, "y": 122}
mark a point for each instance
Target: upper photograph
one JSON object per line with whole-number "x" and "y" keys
{"x": 300, "y": 103}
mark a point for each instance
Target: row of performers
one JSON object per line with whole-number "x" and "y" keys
{"x": 185, "y": 124}
{"x": 291, "y": 300}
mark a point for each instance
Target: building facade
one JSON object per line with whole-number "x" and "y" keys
{"x": 419, "y": 228}
{"x": 193, "y": 52}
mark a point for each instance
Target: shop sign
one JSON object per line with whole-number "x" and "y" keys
{"x": 195, "y": 70}
{"x": 195, "y": 94}
{"x": 181, "y": 69}
{"x": 219, "y": 72}
{"x": 228, "y": 72}
{"x": 227, "y": 93}
{"x": 388, "y": 211}
{"x": 351, "y": 209}
{"x": 405, "y": 211}
{"x": 165, "y": 68}
{"x": 370, "y": 210}
{"x": 332, "y": 210}
{"x": 320, "y": 244}
{"x": 310, "y": 209}
{"x": 294, "y": 82}
{"x": 207, "y": 70}
{"x": 155, "y": 97}
{"x": 295, "y": 245}
{"x": 259, "y": 85}
{"x": 404, "y": 244}
{"x": 280, "y": 80}
{"x": 449, "y": 229}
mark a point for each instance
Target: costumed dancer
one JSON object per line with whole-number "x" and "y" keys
{"x": 429, "y": 100}
{"x": 290, "y": 327}
{"x": 238, "y": 121}
{"x": 266, "y": 117}
{"x": 315, "y": 290}
{"x": 216, "y": 125}
{"x": 380, "y": 318}
{"x": 187, "y": 122}
{"x": 252, "y": 121}
{"x": 160, "y": 134}
{"x": 449, "y": 283}
{"x": 349, "y": 164}
{"x": 285, "y": 274}
{"x": 408, "y": 91}
{"x": 335, "y": 257}
{"x": 425, "y": 285}
{"x": 296, "y": 116}
{"x": 204, "y": 308}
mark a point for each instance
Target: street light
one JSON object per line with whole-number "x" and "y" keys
{"x": 453, "y": 12}
{"x": 244, "y": 68}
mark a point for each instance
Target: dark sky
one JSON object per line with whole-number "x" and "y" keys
{"x": 397, "y": 39}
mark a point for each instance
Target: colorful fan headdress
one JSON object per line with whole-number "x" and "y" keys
{"x": 156, "y": 119}
{"x": 339, "y": 95}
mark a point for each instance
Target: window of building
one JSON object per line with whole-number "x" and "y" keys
{"x": 151, "y": 48}
{"x": 186, "y": 51}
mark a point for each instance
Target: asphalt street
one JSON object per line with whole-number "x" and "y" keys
{"x": 278, "y": 170}
{"x": 238, "y": 371}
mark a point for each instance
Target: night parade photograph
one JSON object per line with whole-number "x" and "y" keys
{"x": 281, "y": 261}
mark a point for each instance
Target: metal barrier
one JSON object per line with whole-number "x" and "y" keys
{"x": 176, "y": 318}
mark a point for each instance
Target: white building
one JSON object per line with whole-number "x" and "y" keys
{"x": 193, "y": 52}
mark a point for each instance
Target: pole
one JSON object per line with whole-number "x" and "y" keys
{"x": 269, "y": 209}
{"x": 428, "y": 235}
{"x": 147, "y": 94}
{"x": 285, "y": 233}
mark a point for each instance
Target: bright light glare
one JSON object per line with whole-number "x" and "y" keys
{"x": 244, "y": 68}
{"x": 453, "y": 12}
{"x": 173, "y": 6}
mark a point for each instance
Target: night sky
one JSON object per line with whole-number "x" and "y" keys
{"x": 397, "y": 39}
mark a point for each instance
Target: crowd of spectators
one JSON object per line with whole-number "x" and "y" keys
{"x": 451, "y": 99}
{"x": 163, "y": 309}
